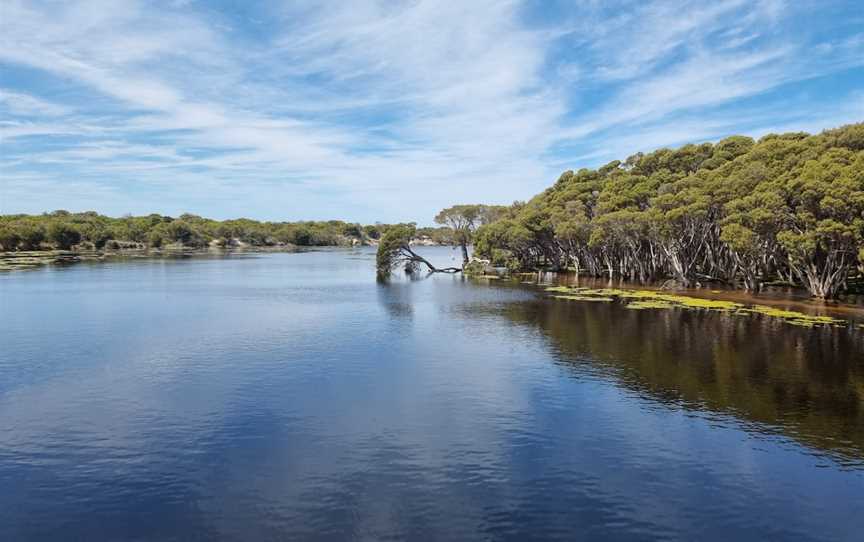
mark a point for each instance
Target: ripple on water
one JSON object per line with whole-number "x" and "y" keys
{"x": 292, "y": 396}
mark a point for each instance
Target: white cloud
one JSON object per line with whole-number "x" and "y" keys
{"x": 20, "y": 104}
{"x": 373, "y": 110}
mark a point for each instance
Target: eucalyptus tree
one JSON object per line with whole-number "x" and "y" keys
{"x": 394, "y": 251}
{"x": 788, "y": 206}
{"x": 64, "y": 235}
{"x": 33, "y": 232}
{"x": 825, "y": 230}
{"x": 464, "y": 220}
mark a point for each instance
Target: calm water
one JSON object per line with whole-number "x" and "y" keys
{"x": 290, "y": 396}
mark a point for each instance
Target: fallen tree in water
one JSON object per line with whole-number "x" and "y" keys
{"x": 394, "y": 251}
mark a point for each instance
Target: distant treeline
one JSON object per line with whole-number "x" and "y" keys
{"x": 89, "y": 230}
{"x": 786, "y": 207}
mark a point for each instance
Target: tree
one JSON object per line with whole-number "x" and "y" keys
{"x": 395, "y": 250}
{"x": 64, "y": 235}
{"x": 25, "y": 232}
{"x": 176, "y": 231}
{"x": 464, "y": 221}
{"x": 372, "y": 231}
{"x": 825, "y": 229}
{"x": 181, "y": 231}
{"x": 789, "y": 206}
{"x": 9, "y": 238}
{"x": 353, "y": 230}
{"x": 30, "y": 234}
{"x": 506, "y": 242}
{"x": 95, "y": 232}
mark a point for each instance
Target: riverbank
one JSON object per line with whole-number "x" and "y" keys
{"x": 33, "y": 259}
{"x": 786, "y": 303}
{"x": 30, "y": 259}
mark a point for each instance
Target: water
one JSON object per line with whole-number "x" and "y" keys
{"x": 290, "y": 396}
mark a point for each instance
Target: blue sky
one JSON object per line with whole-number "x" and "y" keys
{"x": 389, "y": 111}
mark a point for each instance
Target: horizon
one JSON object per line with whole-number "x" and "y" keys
{"x": 280, "y": 112}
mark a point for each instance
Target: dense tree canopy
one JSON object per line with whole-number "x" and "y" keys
{"x": 463, "y": 221}
{"x": 65, "y": 230}
{"x": 787, "y": 206}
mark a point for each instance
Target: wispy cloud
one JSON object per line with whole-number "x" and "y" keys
{"x": 16, "y": 104}
{"x": 378, "y": 110}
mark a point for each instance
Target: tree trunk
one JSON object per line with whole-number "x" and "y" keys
{"x": 411, "y": 258}
{"x": 824, "y": 279}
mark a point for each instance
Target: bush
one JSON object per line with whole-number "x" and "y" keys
{"x": 64, "y": 235}
{"x": 9, "y": 238}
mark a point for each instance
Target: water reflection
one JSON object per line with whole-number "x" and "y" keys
{"x": 290, "y": 396}
{"x": 807, "y": 383}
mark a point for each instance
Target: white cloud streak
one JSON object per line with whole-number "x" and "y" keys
{"x": 367, "y": 110}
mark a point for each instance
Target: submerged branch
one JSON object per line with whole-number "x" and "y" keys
{"x": 412, "y": 258}
{"x": 395, "y": 251}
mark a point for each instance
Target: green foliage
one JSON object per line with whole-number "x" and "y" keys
{"x": 62, "y": 229}
{"x": 181, "y": 232}
{"x": 372, "y": 231}
{"x": 439, "y": 236}
{"x": 352, "y": 230}
{"x": 391, "y": 247}
{"x": 23, "y": 233}
{"x": 788, "y": 206}
{"x": 64, "y": 235}
{"x": 463, "y": 220}
{"x": 10, "y": 238}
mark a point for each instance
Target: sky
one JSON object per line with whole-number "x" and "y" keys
{"x": 391, "y": 110}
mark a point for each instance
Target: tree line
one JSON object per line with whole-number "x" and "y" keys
{"x": 89, "y": 230}
{"x": 787, "y": 207}
{"x": 458, "y": 223}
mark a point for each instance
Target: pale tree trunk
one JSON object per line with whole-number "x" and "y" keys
{"x": 824, "y": 281}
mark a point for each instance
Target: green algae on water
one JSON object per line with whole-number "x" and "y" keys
{"x": 563, "y": 289}
{"x": 651, "y": 299}
{"x": 583, "y": 298}
{"x": 650, "y": 304}
{"x": 792, "y": 317}
{"x": 699, "y": 303}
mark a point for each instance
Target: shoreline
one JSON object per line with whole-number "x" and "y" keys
{"x": 35, "y": 259}
{"x": 852, "y": 305}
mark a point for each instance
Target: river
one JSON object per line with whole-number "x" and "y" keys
{"x": 291, "y": 396}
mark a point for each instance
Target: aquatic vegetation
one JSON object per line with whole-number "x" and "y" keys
{"x": 792, "y": 317}
{"x": 564, "y": 289}
{"x": 583, "y": 298}
{"x": 700, "y": 303}
{"x": 686, "y": 301}
{"x": 655, "y": 304}
{"x": 652, "y": 299}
